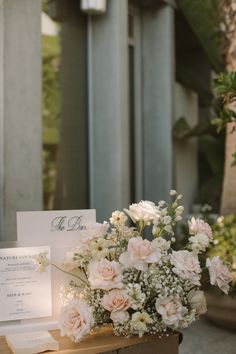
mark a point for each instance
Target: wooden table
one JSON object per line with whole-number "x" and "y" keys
{"x": 106, "y": 342}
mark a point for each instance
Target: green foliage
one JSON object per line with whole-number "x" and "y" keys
{"x": 211, "y": 157}
{"x": 225, "y": 85}
{"x": 224, "y": 234}
{"x": 225, "y": 89}
{"x": 51, "y": 113}
{"x": 51, "y": 89}
{"x": 45, "y": 6}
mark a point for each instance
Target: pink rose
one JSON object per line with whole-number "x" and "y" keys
{"x": 76, "y": 320}
{"x": 105, "y": 275}
{"x": 198, "y": 226}
{"x": 219, "y": 273}
{"x": 186, "y": 266}
{"x": 171, "y": 310}
{"x": 140, "y": 253}
{"x": 116, "y": 300}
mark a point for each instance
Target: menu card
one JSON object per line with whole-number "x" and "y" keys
{"x": 25, "y": 287}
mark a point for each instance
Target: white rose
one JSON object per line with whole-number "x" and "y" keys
{"x": 144, "y": 211}
{"x": 171, "y": 310}
{"x": 199, "y": 242}
{"x": 116, "y": 300}
{"x": 119, "y": 316}
{"x": 219, "y": 273}
{"x": 76, "y": 320}
{"x": 197, "y": 301}
{"x": 105, "y": 275}
{"x": 186, "y": 266}
{"x": 140, "y": 253}
{"x": 198, "y": 226}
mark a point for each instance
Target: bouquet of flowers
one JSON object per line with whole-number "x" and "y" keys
{"x": 133, "y": 278}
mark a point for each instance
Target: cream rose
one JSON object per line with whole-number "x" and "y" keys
{"x": 76, "y": 320}
{"x": 144, "y": 211}
{"x": 186, "y": 266}
{"x": 219, "y": 273}
{"x": 105, "y": 275}
{"x": 171, "y": 310}
{"x": 140, "y": 253}
{"x": 119, "y": 316}
{"x": 116, "y": 300}
{"x": 197, "y": 301}
{"x": 198, "y": 226}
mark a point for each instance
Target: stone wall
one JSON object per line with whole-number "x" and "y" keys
{"x": 20, "y": 111}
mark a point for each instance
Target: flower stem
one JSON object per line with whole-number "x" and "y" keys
{"x": 74, "y": 275}
{"x": 138, "y": 276}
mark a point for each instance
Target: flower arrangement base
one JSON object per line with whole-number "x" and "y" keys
{"x": 221, "y": 310}
{"x": 105, "y": 342}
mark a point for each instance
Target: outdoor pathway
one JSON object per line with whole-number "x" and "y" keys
{"x": 205, "y": 338}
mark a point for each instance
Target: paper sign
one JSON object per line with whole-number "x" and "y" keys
{"x": 24, "y": 292}
{"x": 62, "y": 227}
{"x": 59, "y": 229}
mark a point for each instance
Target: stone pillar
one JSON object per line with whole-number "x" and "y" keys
{"x": 158, "y": 101}
{"x": 108, "y": 110}
{"x": 20, "y": 111}
{"x": 72, "y": 183}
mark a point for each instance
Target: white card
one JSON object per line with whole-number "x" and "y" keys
{"x": 62, "y": 227}
{"x": 31, "y": 342}
{"x": 59, "y": 229}
{"x": 24, "y": 293}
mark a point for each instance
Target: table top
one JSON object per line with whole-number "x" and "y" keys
{"x": 106, "y": 341}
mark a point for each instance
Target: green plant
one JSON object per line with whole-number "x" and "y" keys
{"x": 225, "y": 89}
{"x": 51, "y": 90}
